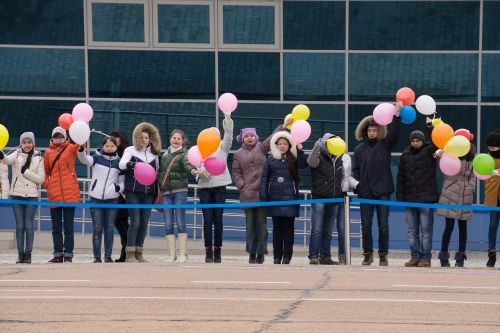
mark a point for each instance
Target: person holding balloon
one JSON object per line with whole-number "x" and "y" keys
{"x": 4, "y": 180}
{"x": 280, "y": 182}
{"x": 140, "y": 163}
{"x": 62, "y": 186}
{"x": 28, "y": 174}
{"x": 372, "y": 168}
{"x": 331, "y": 178}
{"x": 492, "y": 194}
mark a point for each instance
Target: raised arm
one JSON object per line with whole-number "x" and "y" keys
{"x": 85, "y": 159}
{"x": 393, "y": 129}
{"x": 313, "y": 158}
{"x": 228, "y": 126}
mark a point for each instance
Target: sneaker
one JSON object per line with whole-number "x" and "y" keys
{"x": 260, "y": 259}
{"x": 97, "y": 261}
{"x": 68, "y": 259}
{"x": 368, "y": 259}
{"x": 108, "y": 259}
{"x": 251, "y": 258}
{"x": 327, "y": 261}
{"x": 56, "y": 260}
{"x": 424, "y": 263}
{"x": 383, "y": 259}
{"x": 313, "y": 261}
{"x": 412, "y": 263}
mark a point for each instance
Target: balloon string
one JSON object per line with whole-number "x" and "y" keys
{"x": 98, "y": 132}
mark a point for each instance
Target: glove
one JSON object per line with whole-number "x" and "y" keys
{"x": 117, "y": 188}
{"x": 130, "y": 165}
{"x": 80, "y": 148}
{"x": 2, "y": 155}
{"x": 355, "y": 191}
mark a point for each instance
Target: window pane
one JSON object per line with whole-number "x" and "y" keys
{"x": 490, "y": 120}
{"x": 491, "y": 25}
{"x": 41, "y": 22}
{"x": 146, "y": 74}
{"x": 248, "y": 24}
{"x": 314, "y": 25}
{"x": 117, "y": 22}
{"x": 446, "y": 77}
{"x": 314, "y": 76}
{"x": 491, "y": 78}
{"x": 183, "y": 24}
{"x": 422, "y": 25}
{"x": 42, "y": 72}
{"x": 250, "y": 75}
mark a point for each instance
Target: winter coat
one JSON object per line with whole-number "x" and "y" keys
{"x": 4, "y": 181}
{"x": 492, "y": 188}
{"x": 107, "y": 178}
{"x": 138, "y": 154}
{"x": 208, "y": 181}
{"x": 26, "y": 185}
{"x": 372, "y": 159}
{"x": 458, "y": 190}
{"x": 62, "y": 184}
{"x": 177, "y": 177}
{"x": 277, "y": 182}
{"x": 416, "y": 180}
{"x": 248, "y": 162}
{"x": 331, "y": 175}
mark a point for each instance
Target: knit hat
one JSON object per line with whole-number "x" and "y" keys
{"x": 27, "y": 135}
{"x": 493, "y": 138}
{"x": 59, "y": 130}
{"x": 417, "y": 135}
{"x": 247, "y": 131}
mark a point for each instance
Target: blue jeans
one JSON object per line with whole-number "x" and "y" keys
{"x": 139, "y": 217}
{"x": 341, "y": 229}
{"x": 63, "y": 246}
{"x": 383, "y": 225}
{"x": 178, "y": 198}
{"x": 213, "y": 216}
{"x": 420, "y": 220}
{"x": 25, "y": 215}
{"x": 322, "y": 220}
{"x": 103, "y": 219}
{"x": 492, "y": 231}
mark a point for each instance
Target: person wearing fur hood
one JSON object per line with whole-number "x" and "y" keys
{"x": 331, "y": 178}
{"x": 28, "y": 174}
{"x": 146, "y": 148}
{"x": 280, "y": 182}
{"x": 371, "y": 167}
{"x": 492, "y": 195}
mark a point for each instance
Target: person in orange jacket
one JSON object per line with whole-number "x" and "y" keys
{"x": 62, "y": 186}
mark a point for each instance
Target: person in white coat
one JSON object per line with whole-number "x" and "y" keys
{"x": 28, "y": 173}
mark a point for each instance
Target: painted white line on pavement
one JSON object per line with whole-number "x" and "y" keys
{"x": 44, "y": 280}
{"x": 30, "y": 290}
{"x": 441, "y": 287}
{"x": 244, "y": 282}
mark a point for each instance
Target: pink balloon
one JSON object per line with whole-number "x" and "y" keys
{"x": 450, "y": 165}
{"x": 194, "y": 157}
{"x": 383, "y": 113}
{"x": 82, "y": 112}
{"x": 215, "y": 166}
{"x": 144, "y": 173}
{"x": 482, "y": 177}
{"x": 301, "y": 131}
{"x": 227, "y": 102}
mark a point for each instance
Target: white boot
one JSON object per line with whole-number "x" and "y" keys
{"x": 183, "y": 257}
{"x": 171, "y": 248}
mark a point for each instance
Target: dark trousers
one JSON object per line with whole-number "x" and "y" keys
{"x": 283, "y": 237}
{"x": 212, "y": 216}
{"x": 63, "y": 215}
{"x": 121, "y": 223}
{"x": 256, "y": 221}
{"x": 366, "y": 211}
{"x": 462, "y": 235}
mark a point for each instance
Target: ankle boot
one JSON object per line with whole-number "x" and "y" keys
{"x": 183, "y": 256}
{"x": 123, "y": 255}
{"x": 27, "y": 258}
{"x": 459, "y": 259}
{"x": 20, "y": 258}
{"x": 383, "y": 261}
{"x": 131, "y": 254}
{"x": 444, "y": 258}
{"x": 368, "y": 259}
{"x": 138, "y": 254}
{"x": 171, "y": 247}
{"x": 217, "y": 255}
{"x": 492, "y": 258}
{"x": 259, "y": 259}
{"x": 209, "y": 254}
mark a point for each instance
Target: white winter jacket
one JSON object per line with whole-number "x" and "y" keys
{"x": 26, "y": 185}
{"x": 4, "y": 181}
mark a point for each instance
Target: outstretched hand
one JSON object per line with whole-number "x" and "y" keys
{"x": 399, "y": 106}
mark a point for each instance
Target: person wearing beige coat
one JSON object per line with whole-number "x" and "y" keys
{"x": 4, "y": 181}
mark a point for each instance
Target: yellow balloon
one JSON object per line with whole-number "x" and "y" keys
{"x": 4, "y": 136}
{"x": 300, "y": 112}
{"x": 457, "y": 146}
{"x": 436, "y": 121}
{"x": 287, "y": 117}
{"x": 336, "y": 146}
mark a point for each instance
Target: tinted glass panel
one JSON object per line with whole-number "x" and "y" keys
{"x": 491, "y": 25}
{"x": 312, "y": 76}
{"x": 183, "y": 24}
{"x": 314, "y": 25}
{"x": 151, "y": 74}
{"x": 491, "y": 78}
{"x": 248, "y": 24}
{"x": 446, "y": 77}
{"x": 422, "y": 25}
{"x": 250, "y": 75}
{"x": 42, "y": 72}
{"x": 117, "y": 22}
{"x": 490, "y": 120}
{"x": 41, "y": 22}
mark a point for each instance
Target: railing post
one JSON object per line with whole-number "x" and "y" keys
{"x": 83, "y": 208}
{"x": 195, "y": 213}
{"x": 305, "y": 221}
{"x": 39, "y": 215}
{"x": 347, "y": 230}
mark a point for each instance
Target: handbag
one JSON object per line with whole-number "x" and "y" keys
{"x": 163, "y": 180}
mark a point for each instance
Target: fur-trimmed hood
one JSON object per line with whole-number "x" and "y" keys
{"x": 274, "y": 148}
{"x": 361, "y": 129}
{"x": 154, "y": 137}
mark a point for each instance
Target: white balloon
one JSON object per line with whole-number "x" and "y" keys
{"x": 79, "y": 132}
{"x": 426, "y": 105}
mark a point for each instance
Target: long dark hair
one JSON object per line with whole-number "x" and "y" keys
{"x": 123, "y": 140}
{"x": 291, "y": 162}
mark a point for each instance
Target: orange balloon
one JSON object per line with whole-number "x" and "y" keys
{"x": 65, "y": 121}
{"x": 208, "y": 141}
{"x": 441, "y": 134}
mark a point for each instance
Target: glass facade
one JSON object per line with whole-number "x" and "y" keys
{"x": 183, "y": 23}
{"x": 118, "y": 22}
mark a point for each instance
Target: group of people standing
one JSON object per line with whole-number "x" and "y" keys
{"x": 262, "y": 171}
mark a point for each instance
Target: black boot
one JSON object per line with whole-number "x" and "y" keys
{"x": 27, "y": 258}
{"x": 260, "y": 259}
{"x": 459, "y": 259}
{"x": 368, "y": 259}
{"x": 383, "y": 259}
{"x": 217, "y": 255}
{"x": 251, "y": 258}
{"x": 20, "y": 258}
{"x": 209, "y": 254}
{"x": 123, "y": 255}
{"x": 492, "y": 258}
{"x": 444, "y": 257}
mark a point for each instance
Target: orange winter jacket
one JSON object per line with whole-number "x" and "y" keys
{"x": 62, "y": 184}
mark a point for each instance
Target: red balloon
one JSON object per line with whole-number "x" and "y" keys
{"x": 405, "y": 95}
{"x": 466, "y": 133}
{"x": 65, "y": 121}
